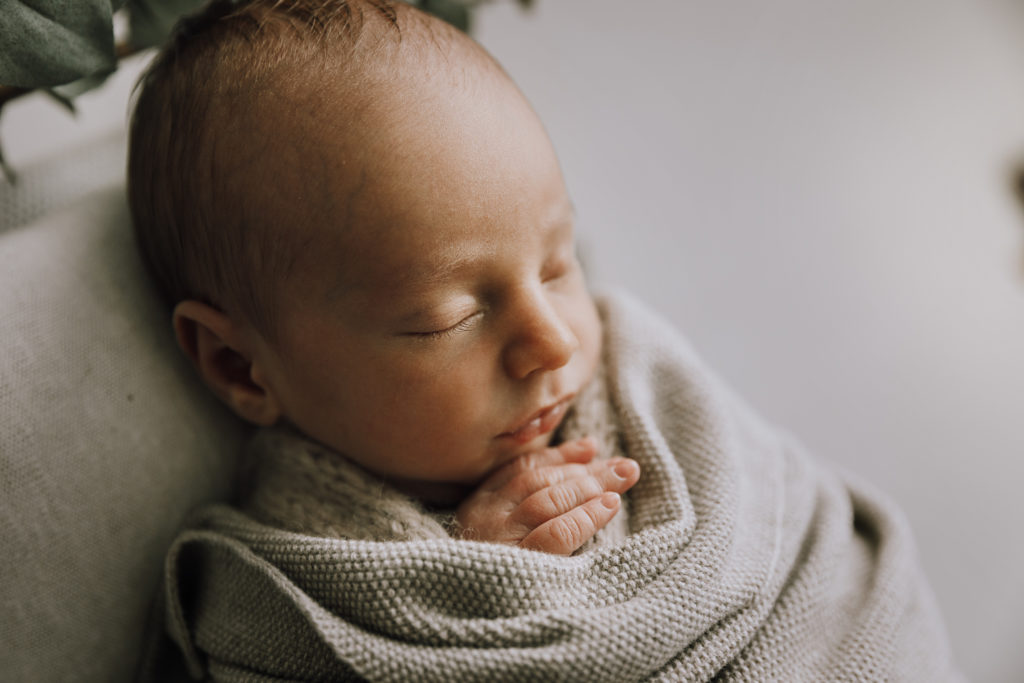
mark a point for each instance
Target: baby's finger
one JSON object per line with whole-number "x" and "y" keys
{"x": 529, "y": 482}
{"x": 616, "y": 475}
{"x": 565, "y": 533}
{"x": 578, "y": 451}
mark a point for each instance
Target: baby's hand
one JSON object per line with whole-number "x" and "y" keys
{"x": 552, "y": 500}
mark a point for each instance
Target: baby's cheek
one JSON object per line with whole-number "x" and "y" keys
{"x": 590, "y": 332}
{"x": 456, "y": 396}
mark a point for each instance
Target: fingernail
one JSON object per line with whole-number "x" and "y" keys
{"x": 624, "y": 469}
{"x": 610, "y": 500}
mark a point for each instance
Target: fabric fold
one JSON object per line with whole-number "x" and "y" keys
{"x": 746, "y": 560}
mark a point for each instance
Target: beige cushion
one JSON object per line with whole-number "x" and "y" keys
{"x": 106, "y": 441}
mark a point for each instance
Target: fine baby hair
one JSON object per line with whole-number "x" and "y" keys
{"x": 212, "y": 217}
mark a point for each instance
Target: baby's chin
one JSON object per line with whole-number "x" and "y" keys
{"x": 449, "y": 491}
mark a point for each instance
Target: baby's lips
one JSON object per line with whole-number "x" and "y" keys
{"x": 543, "y": 422}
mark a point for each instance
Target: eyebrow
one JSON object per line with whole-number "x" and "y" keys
{"x": 451, "y": 261}
{"x": 455, "y": 258}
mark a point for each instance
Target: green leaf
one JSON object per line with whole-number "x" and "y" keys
{"x": 66, "y": 94}
{"x": 454, "y": 12}
{"x": 52, "y": 42}
{"x": 152, "y": 20}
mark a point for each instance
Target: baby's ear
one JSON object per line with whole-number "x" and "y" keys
{"x": 218, "y": 350}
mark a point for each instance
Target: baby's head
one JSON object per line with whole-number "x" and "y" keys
{"x": 364, "y": 231}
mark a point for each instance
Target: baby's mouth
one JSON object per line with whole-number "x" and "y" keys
{"x": 543, "y": 421}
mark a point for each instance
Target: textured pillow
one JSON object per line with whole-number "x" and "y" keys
{"x": 106, "y": 441}
{"x": 49, "y": 184}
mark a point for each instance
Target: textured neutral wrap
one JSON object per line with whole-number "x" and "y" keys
{"x": 746, "y": 560}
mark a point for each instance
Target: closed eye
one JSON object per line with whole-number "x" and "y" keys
{"x": 466, "y": 323}
{"x": 559, "y": 268}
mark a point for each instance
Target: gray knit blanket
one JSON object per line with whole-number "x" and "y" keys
{"x": 745, "y": 559}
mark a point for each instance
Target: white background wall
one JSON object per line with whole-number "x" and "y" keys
{"x": 818, "y": 194}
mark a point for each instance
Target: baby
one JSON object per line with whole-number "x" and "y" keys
{"x": 367, "y": 242}
{"x": 379, "y": 252}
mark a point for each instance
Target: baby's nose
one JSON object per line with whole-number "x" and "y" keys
{"x": 542, "y": 341}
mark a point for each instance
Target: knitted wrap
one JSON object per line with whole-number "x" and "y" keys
{"x": 746, "y": 560}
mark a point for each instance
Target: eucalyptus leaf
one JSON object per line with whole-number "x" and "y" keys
{"x": 459, "y": 13}
{"x": 66, "y": 94}
{"x": 151, "y": 21}
{"x": 60, "y": 99}
{"x": 454, "y": 12}
{"x": 53, "y": 42}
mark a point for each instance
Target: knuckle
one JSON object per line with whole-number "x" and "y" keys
{"x": 523, "y": 463}
{"x": 543, "y": 457}
{"x": 561, "y": 498}
{"x": 574, "y": 471}
{"x": 590, "y": 487}
{"x": 533, "y": 511}
{"x": 541, "y": 478}
{"x": 568, "y": 532}
{"x": 594, "y": 518}
{"x": 544, "y": 505}
{"x": 533, "y": 480}
{"x": 525, "y": 483}
{"x": 532, "y": 460}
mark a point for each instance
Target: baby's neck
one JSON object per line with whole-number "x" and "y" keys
{"x": 437, "y": 495}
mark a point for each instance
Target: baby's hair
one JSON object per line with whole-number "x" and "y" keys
{"x": 197, "y": 162}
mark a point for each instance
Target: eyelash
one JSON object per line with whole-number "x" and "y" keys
{"x": 461, "y": 326}
{"x": 559, "y": 271}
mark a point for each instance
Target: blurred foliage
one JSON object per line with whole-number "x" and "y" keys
{"x": 151, "y": 21}
{"x": 457, "y": 12}
{"x": 48, "y": 43}
{"x": 67, "y": 47}
{"x": 53, "y": 42}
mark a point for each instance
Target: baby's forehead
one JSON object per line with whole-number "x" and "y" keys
{"x": 308, "y": 163}
{"x": 305, "y": 120}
